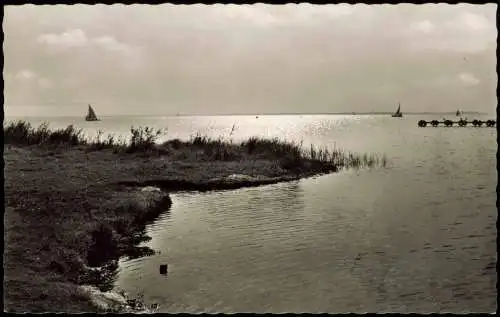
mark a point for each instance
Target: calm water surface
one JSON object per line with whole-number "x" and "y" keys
{"x": 418, "y": 236}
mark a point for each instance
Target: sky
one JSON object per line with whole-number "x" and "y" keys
{"x": 239, "y": 59}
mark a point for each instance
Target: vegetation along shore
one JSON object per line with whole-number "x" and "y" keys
{"x": 74, "y": 206}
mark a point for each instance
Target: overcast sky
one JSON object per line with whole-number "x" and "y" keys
{"x": 142, "y": 59}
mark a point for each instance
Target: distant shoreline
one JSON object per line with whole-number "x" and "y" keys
{"x": 261, "y": 115}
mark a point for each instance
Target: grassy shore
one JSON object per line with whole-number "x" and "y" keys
{"x": 73, "y": 204}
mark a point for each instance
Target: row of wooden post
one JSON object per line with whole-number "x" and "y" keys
{"x": 461, "y": 123}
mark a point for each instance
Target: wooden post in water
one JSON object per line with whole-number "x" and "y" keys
{"x": 163, "y": 269}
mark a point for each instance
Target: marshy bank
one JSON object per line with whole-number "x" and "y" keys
{"x": 74, "y": 205}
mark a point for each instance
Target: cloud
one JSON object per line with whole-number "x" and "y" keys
{"x": 78, "y": 38}
{"x": 464, "y": 28}
{"x": 257, "y": 14}
{"x": 470, "y": 21}
{"x": 424, "y": 26}
{"x": 65, "y": 40}
{"x": 264, "y": 15}
{"x": 306, "y": 11}
{"x": 111, "y": 44}
{"x": 468, "y": 79}
{"x": 26, "y": 74}
{"x": 88, "y": 49}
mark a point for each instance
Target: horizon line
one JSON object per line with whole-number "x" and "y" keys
{"x": 255, "y": 114}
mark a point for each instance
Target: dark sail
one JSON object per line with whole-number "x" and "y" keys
{"x": 91, "y": 116}
{"x": 398, "y": 113}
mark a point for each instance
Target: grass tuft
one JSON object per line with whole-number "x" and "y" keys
{"x": 22, "y": 133}
{"x": 143, "y": 139}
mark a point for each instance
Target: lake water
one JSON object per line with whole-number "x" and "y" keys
{"x": 417, "y": 236}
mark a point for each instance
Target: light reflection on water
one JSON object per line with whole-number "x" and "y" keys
{"x": 416, "y": 237}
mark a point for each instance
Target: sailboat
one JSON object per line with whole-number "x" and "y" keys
{"x": 458, "y": 113}
{"x": 91, "y": 116}
{"x": 398, "y": 113}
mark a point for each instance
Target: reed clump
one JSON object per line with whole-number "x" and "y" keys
{"x": 109, "y": 143}
{"x": 142, "y": 139}
{"x": 22, "y": 133}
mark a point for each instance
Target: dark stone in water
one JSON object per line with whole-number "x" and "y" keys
{"x": 163, "y": 269}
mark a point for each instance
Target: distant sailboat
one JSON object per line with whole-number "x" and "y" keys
{"x": 91, "y": 116}
{"x": 398, "y": 113}
{"x": 458, "y": 113}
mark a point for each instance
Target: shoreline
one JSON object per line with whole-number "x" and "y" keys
{"x": 130, "y": 199}
{"x": 116, "y": 300}
{"x": 73, "y": 210}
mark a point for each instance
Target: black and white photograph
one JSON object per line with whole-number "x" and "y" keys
{"x": 250, "y": 158}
